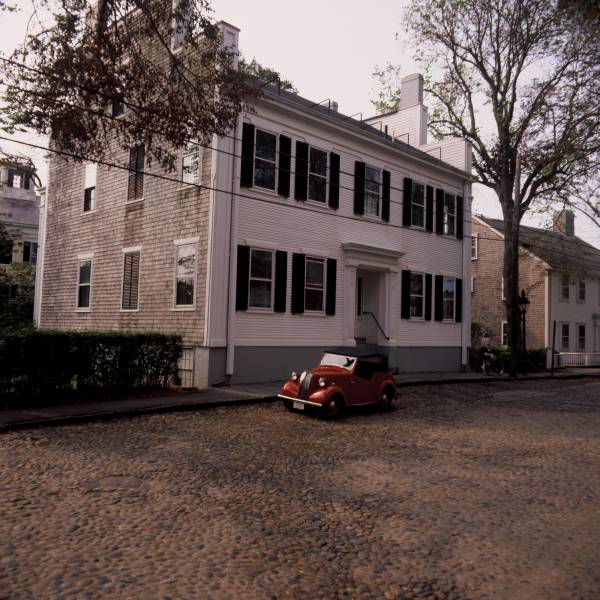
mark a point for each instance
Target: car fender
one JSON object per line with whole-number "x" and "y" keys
{"x": 385, "y": 383}
{"x": 323, "y": 395}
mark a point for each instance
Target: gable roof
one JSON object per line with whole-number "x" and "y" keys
{"x": 558, "y": 250}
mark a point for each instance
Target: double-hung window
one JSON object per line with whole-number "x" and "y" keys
{"x": 581, "y": 290}
{"x": 137, "y": 159}
{"x": 185, "y": 274}
{"x": 131, "y": 279}
{"x": 564, "y": 337}
{"x": 84, "y": 283}
{"x": 265, "y": 160}
{"x": 317, "y": 175}
{"x": 581, "y": 337}
{"x": 448, "y": 297}
{"x": 504, "y": 333}
{"x": 474, "y": 246}
{"x": 372, "y": 191}
{"x": 564, "y": 288}
{"x": 190, "y": 164}
{"x": 260, "y": 293}
{"x": 30, "y": 252}
{"x": 89, "y": 191}
{"x": 418, "y": 205}
{"x": 417, "y": 295}
{"x": 314, "y": 288}
{"x": 449, "y": 214}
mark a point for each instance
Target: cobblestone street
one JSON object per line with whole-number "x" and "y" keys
{"x": 463, "y": 491}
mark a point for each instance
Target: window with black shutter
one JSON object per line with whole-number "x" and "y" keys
{"x": 135, "y": 190}
{"x": 334, "y": 180}
{"x": 405, "y": 295}
{"x": 285, "y": 163}
{"x": 243, "y": 271}
{"x": 458, "y": 300}
{"x": 331, "y": 286}
{"x": 359, "y": 187}
{"x": 439, "y": 298}
{"x": 301, "y": 172}
{"x": 131, "y": 280}
{"x": 298, "y": 271}
{"x": 459, "y": 217}
{"x": 407, "y": 202}
{"x": 247, "y": 155}
{"x": 385, "y": 196}
{"x": 439, "y": 211}
{"x": 428, "y": 282}
{"x": 280, "y": 281}
{"x": 429, "y": 208}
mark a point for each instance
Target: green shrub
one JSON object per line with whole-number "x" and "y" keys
{"x": 45, "y": 363}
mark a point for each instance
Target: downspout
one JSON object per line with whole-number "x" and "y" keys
{"x": 233, "y": 228}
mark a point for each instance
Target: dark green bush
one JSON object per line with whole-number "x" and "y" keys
{"x": 45, "y": 363}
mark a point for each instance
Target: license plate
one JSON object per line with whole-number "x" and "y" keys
{"x": 298, "y": 405}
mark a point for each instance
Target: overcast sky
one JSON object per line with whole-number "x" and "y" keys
{"x": 328, "y": 48}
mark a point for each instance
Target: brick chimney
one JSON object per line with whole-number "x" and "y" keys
{"x": 564, "y": 222}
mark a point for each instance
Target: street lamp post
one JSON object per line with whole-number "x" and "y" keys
{"x": 523, "y": 306}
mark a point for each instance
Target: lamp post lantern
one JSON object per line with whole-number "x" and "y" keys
{"x": 523, "y": 306}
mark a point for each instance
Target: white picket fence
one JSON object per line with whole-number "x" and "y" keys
{"x": 578, "y": 359}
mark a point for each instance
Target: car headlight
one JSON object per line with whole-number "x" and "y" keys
{"x": 322, "y": 382}
{"x": 294, "y": 376}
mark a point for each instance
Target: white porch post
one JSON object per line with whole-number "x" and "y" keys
{"x": 349, "y": 304}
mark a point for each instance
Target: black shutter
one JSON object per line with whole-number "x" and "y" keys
{"x": 407, "y": 202}
{"x": 458, "y": 300}
{"x": 139, "y": 175}
{"x": 405, "y": 295}
{"x": 285, "y": 163}
{"x": 428, "y": 296}
{"x": 26, "y": 251}
{"x": 385, "y": 197}
{"x": 459, "y": 217}
{"x": 439, "y": 298}
{"x": 331, "y": 289}
{"x": 280, "y": 280}
{"x": 429, "y": 209}
{"x": 359, "y": 188}
{"x": 334, "y": 180}
{"x": 301, "y": 181}
{"x": 247, "y": 155}
{"x": 243, "y": 272}
{"x": 298, "y": 266}
{"x": 131, "y": 281}
{"x": 11, "y": 178}
{"x": 132, "y": 173}
{"x": 439, "y": 212}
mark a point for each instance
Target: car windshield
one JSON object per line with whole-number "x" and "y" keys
{"x": 338, "y": 360}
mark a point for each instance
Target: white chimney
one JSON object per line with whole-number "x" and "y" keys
{"x": 411, "y": 91}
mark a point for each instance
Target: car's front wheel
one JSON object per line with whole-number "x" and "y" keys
{"x": 334, "y": 407}
{"x": 386, "y": 398}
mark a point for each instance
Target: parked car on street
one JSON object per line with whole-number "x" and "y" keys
{"x": 344, "y": 378}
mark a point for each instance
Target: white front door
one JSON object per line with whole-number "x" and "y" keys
{"x": 367, "y": 307}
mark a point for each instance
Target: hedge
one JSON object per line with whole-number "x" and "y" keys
{"x": 536, "y": 358}
{"x": 47, "y": 363}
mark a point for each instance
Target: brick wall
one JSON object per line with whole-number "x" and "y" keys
{"x": 166, "y": 213}
{"x": 488, "y": 309}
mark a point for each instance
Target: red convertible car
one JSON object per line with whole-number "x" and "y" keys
{"x": 343, "y": 379}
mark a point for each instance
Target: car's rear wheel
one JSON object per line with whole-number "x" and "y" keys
{"x": 386, "y": 398}
{"x": 334, "y": 407}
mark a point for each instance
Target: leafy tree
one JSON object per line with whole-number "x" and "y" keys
{"x": 519, "y": 79}
{"x": 166, "y": 60}
{"x": 255, "y": 69}
{"x": 387, "y": 95}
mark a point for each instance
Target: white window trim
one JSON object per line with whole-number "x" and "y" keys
{"x": 93, "y": 209}
{"x": 503, "y": 327}
{"x": 562, "y": 348}
{"x": 275, "y": 162}
{"x": 84, "y": 257}
{"x": 475, "y": 238}
{"x": 184, "y": 307}
{"x": 125, "y": 251}
{"x": 183, "y": 185}
{"x": 577, "y": 326}
{"x": 308, "y": 198}
{"x": 561, "y": 288}
{"x": 453, "y": 319}
{"x": 578, "y": 297}
{"x": 315, "y": 259}
{"x": 262, "y": 309}
{"x": 378, "y": 216}
{"x": 450, "y": 235}
{"x": 419, "y": 227}
{"x": 410, "y": 294}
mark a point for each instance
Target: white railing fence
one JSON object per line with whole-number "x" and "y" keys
{"x": 577, "y": 359}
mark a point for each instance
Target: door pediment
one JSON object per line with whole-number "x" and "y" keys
{"x": 373, "y": 257}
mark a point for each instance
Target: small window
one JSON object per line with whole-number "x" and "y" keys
{"x": 135, "y": 190}
{"x": 448, "y": 298}
{"x": 131, "y": 280}
{"x": 581, "y": 290}
{"x": 504, "y": 333}
{"x": 372, "y": 191}
{"x": 84, "y": 284}
{"x": 314, "y": 289}
{"x": 190, "y": 164}
{"x": 30, "y": 252}
{"x": 6, "y": 251}
{"x": 265, "y": 166}
{"x": 317, "y": 175}
{"x": 417, "y": 295}
{"x": 564, "y": 287}
{"x": 581, "y": 337}
{"x": 89, "y": 194}
{"x": 117, "y": 107}
{"x": 474, "y": 246}
{"x": 17, "y": 181}
{"x": 185, "y": 275}
{"x": 260, "y": 294}
{"x": 418, "y": 205}
{"x": 564, "y": 337}
{"x": 449, "y": 214}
